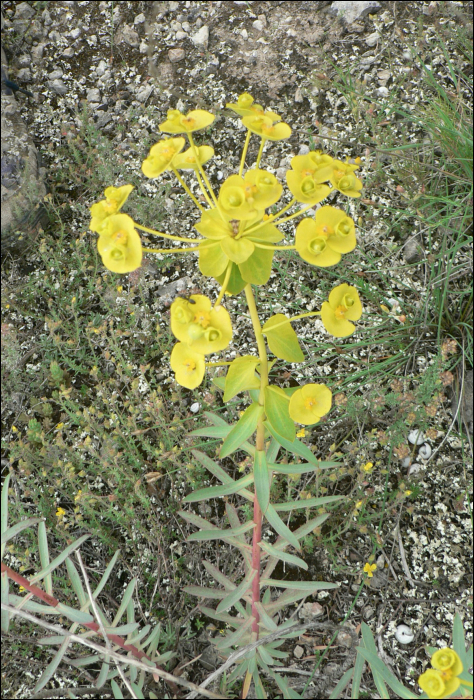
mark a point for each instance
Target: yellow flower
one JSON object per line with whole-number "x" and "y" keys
{"x": 115, "y": 198}
{"x": 187, "y": 160}
{"x": 369, "y": 569}
{"x": 441, "y": 680}
{"x": 244, "y": 197}
{"x": 301, "y": 433}
{"x": 60, "y": 513}
{"x": 322, "y": 240}
{"x": 264, "y": 126}
{"x": 359, "y": 504}
{"x": 119, "y": 244}
{"x": 178, "y": 123}
{"x": 344, "y": 180}
{"x": 317, "y": 165}
{"x": 188, "y": 365}
{"x": 368, "y": 467}
{"x": 245, "y": 106}
{"x": 309, "y": 403}
{"x": 342, "y": 307}
{"x": 160, "y": 156}
{"x": 204, "y": 329}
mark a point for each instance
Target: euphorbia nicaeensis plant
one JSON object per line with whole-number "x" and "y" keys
{"x": 238, "y": 240}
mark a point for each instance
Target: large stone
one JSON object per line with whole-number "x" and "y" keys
{"x": 352, "y": 11}
{"x": 23, "y": 189}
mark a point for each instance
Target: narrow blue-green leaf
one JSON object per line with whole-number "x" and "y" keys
{"x": 104, "y": 673}
{"x": 53, "y": 641}
{"x": 265, "y": 618}
{"x": 459, "y": 642}
{"x": 33, "y": 607}
{"x": 219, "y": 576}
{"x": 217, "y": 420}
{"x": 127, "y": 596}
{"x": 272, "y": 452}
{"x": 106, "y": 574}
{"x": 222, "y": 617}
{"x": 44, "y": 556}
{"x": 259, "y": 689}
{"x": 296, "y": 447}
{"x": 14, "y": 530}
{"x": 277, "y": 523}
{"x": 266, "y": 657}
{"x": 196, "y": 520}
{"x": 303, "y": 468}
{"x": 217, "y": 491}
{"x": 308, "y": 586}
{"x": 234, "y": 637}
{"x": 5, "y": 597}
{"x": 136, "y": 638}
{"x": 306, "y": 503}
{"x": 59, "y": 559}
{"x": 357, "y": 671}
{"x": 212, "y": 431}
{"x": 262, "y": 480}
{"x": 284, "y": 687}
{"x": 164, "y": 658}
{"x": 51, "y": 668}
{"x": 118, "y": 695}
{"x": 203, "y": 592}
{"x": 76, "y": 582}
{"x": 73, "y": 614}
{"x": 221, "y": 534}
{"x": 343, "y": 683}
{"x": 284, "y": 556}
{"x": 213, "y": 467}
{"x": 379, "y": 666}
{"x": 124, "y": 630}
{"x": 238, "y": 671}
{"x": 135, "y": 687}
{"x": 236, "y": 594}
{"x": 368, "y": 642}
{"x": 4, "y": 513}
{"x": 242, "y": 430}
{"x": 219, "y": 382}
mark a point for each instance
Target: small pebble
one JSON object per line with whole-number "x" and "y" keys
{"x": 406, "y": 461}
{"x": 194, "y": 408}
{"x": 414, "y": 469}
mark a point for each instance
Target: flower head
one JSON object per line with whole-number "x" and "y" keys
{"x": 442, "y": 680}
{"x": 245, "y": 106}
{"x": 243, "y": 197}
{"x": 187, "y": 160}
{"x": 161, "y": 155}
{"x": 264, "y": 125}
{"x": 369, "y": 569}
{"x": 204, "y": 329}
{"x": 188, "y": 365}
{"x": 321, "y": 241}
{"x": 119, "y": 244}
{"x": 344, "y": 180}
{"x": 342, "y": 307}
{"x": 309, "y": 403}
{"x": 178, "y": 123}
{"x": 115, "y": 198}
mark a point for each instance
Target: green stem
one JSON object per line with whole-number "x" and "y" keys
{"x": 244, "y": 152}
{"x": 262, "y": 348}
{"x": 295, "y": 318}
{"x": 203, "y": 189}
{"x": 224, "y": 285}
{"x": 163, "y": 235}
{"x": 169, "y": 250}
{"x": 274, "y": 247}
{"x": 201, "y": 169}
{"x": 186, "y": 189}
{"x": 260, "y": 151}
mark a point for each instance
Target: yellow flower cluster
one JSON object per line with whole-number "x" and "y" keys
{"x": 201, "y": 330}
{"x": 442, "y": 680}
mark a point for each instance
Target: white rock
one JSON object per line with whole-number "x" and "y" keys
{"x": 194, "y": 408}
{"x": 139, "y": 19}
{"x": 93, "y": 95}
{"x": 304, "y": 149}
{"x": 258, "y": 25}
{"x": 372, "y": 39}
{"x": 416, "y": 437}
{"x": 180, "y": 35}
{"x": 382, "y": 92}
{"x": 352, "y": 11}
{"x": 406, "y": 461}
{"x": 424, "y": 451}
{"x": 201, "y": 38}
{"x": 404, "y": 635}
{"x": 244, "y": 34}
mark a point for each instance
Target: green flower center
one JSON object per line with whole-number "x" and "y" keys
{"x": 317, "y": 245}
{"x": 348, "y": 301}
{"x": 308, "y": 186}
{"x": 346, "y": 182}
{"x": 117, "y": 254}
{"x": 343, "y": 228}
{"x": 212, "y": 334}
{"x": 195, "y": 331}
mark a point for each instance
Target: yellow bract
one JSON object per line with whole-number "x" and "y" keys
{"x": 179, "y": 123}
{"x": 115, "y": 198}
{"x": 441, "y": 680}
{"x": 204, "y": 329}
{"x": 161, "y": 155}
{"x": 187, "y": 160}
{"x": 119, "y": 244}
{"x": 342, "y": 307}
{"x": 264, "y": 126}
{"x": 344, "y": 180}
{"x": 245, "y": 106}
{"x": 243, "y": 197}
{"x": 310, "y": 403}
{"x": 188, "y": 365}
{"x": 322, "y": 240}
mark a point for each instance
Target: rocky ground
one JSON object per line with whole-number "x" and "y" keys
{"x": 123, "y": 65}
